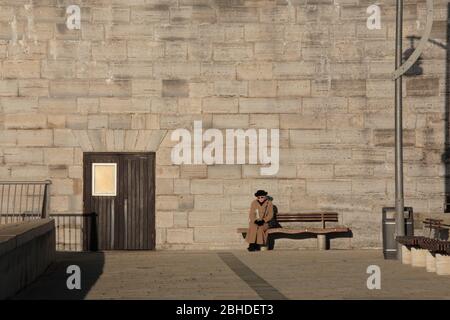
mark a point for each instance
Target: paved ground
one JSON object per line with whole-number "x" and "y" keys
{"x": 287, "y": 274}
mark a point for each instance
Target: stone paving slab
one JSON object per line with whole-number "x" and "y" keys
{"x": 283, "y": 274}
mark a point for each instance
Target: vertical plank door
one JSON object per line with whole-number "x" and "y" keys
{"x": 125, "y": 220}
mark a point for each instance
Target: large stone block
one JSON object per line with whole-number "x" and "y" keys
{"x": 21, "y": 69}
{"x": 166, "y": 203}
{"x": 265, "y": 121}
{"x": 59, "y": 156}
{"x": 124, "y": 105}
{"x": 58, "y": 105}
{"x": 328, "y": 187}
{"x": 217, "y": 234}
{"x": 164, "y": 219}
{"x": 220, "y": 105}
{"x": 237, "y": 14}
{"x": 25, "y": 121}
{"x": 175, "y": 88}
{"x": 228, "y": 88}
{"x": 230, "y": 121}
{"x": 293, "y": 70}
{"x": 315, "y": 171}
{"x": 145, "y": 50}
{"x": 294, "y": 88}
{"x": 132, "y": 31}
{"x": 262, "y": 88}
{"x": 263, "y": 32}
{"x": 232, "y": 52}
{"x": 35, "y": 138}
{"x": 202, "y": 218}
{"x": 180, "y": 235}
{"x": 350, "y": 88}
{"x": 268, "y": 105}
{"x": 254, "y": 71}
{"x": 33, "y": 87}
{"x": 23, "y": 155}
{"x": 176, "y": 32}
{"x": 69, "y": 50}
{"x": 201, "y": 14}
{"x": 224, "y": 171}
{"x": 8, "y": 88}
{"x": 69, "y": 88}
{"x": 109, "y": 50}
{"x": 320, "y": 106}
{"x": 176, "y": 70}
{"x": 29, "y": 172}
{"x": 110, "y": 88}
{"x": 422, "y": 87}
{"x": 211, "y": 203}
{"x": 58, "y": 69}
{"x": 206, "y": 186}
{"x": 218, "y": 70}
{"x": 299, "y": 121}
{"x": 8, "y": 138}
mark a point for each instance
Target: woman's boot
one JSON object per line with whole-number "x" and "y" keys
{"x": 251, "y": 247}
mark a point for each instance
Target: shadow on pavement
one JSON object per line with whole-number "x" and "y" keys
{"x": 52, "y": 284}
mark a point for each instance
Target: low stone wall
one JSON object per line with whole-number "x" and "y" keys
{"x": 26, "y": 250}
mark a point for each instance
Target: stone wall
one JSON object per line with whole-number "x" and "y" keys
{"x": 138, "y": 69}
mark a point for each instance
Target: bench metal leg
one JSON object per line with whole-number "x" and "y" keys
{"x": 270, "y": 243}
{"x": 321, "y": 242}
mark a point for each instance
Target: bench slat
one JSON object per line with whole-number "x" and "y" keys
{"x": 301, "y": 230}
{"x": 307, "y": 220}
{"x": 308, "y": 215}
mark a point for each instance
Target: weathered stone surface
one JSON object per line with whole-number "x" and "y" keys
{"x": 139, "y": 70}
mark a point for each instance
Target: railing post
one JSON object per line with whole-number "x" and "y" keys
{"x": 46, "y": 204}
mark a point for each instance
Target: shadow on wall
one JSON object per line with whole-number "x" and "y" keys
{"x": 411, "y": 72}
{"x": 52, "y": 285}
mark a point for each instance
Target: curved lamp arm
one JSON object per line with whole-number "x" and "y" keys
{"x": 423, "y": 41}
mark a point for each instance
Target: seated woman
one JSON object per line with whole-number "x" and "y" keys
{"x": 261, "y": 212}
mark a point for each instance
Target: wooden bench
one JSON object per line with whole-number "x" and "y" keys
{"x": 432, "y": 245}
{"x": 437, "y": 225}
{"x": 320, "y": 232}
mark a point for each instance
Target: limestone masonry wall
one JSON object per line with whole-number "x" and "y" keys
{"x": 138, "y": 69}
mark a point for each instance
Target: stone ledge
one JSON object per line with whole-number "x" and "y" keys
{"x": 15, "y": 235}
{"x": 26, "y": 250}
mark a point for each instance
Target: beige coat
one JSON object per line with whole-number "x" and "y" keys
{"x": 258, "y": 234}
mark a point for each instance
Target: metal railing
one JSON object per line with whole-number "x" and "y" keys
{"x": 30, "y": 200}
{"x": 24, "y": 200}
{"x": 75, "y": 232}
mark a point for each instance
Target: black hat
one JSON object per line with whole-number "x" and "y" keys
{"x": 260, "y": 193}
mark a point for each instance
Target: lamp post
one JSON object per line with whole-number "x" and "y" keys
{"x": 399, "y": 200}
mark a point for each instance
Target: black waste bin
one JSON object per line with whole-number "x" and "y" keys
{"x": 389, "y": 242}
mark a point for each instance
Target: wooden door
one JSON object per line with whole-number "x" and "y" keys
{"x": 126, "y": 217}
